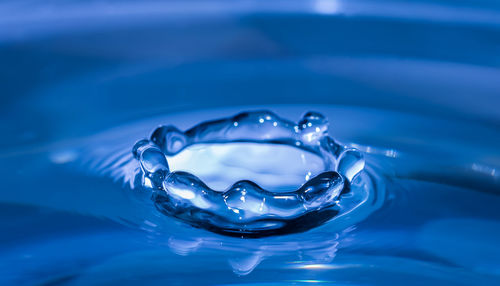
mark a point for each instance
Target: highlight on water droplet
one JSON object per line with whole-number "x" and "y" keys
{"x": 287, "y": 177}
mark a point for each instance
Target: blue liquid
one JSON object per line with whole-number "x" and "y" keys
{"x": 108, "y": 233}
{"x": 245, "y": 209}
{"x": 413, "y": 86}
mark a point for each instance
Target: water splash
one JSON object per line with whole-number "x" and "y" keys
{"x": 245, "y": 208}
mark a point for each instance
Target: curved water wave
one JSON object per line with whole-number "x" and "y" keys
{"x": 245, "y": 208}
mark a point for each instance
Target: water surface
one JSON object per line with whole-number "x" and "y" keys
{"x": 412, "y": 85}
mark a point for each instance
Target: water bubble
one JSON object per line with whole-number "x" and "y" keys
{"x": 245, "y": 208}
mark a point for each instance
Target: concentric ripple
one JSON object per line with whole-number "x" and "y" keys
{"x": 245, "y": 208}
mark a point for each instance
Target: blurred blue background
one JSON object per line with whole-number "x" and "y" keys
{"x": 73, "y": 67}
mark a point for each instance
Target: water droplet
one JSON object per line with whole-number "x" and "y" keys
{"x": 312, "y": 127}
{"x": 153, "y": 163}
{"x": 170, "y": 139}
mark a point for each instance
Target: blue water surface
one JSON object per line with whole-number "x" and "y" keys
{"x": 414, "y": 85}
